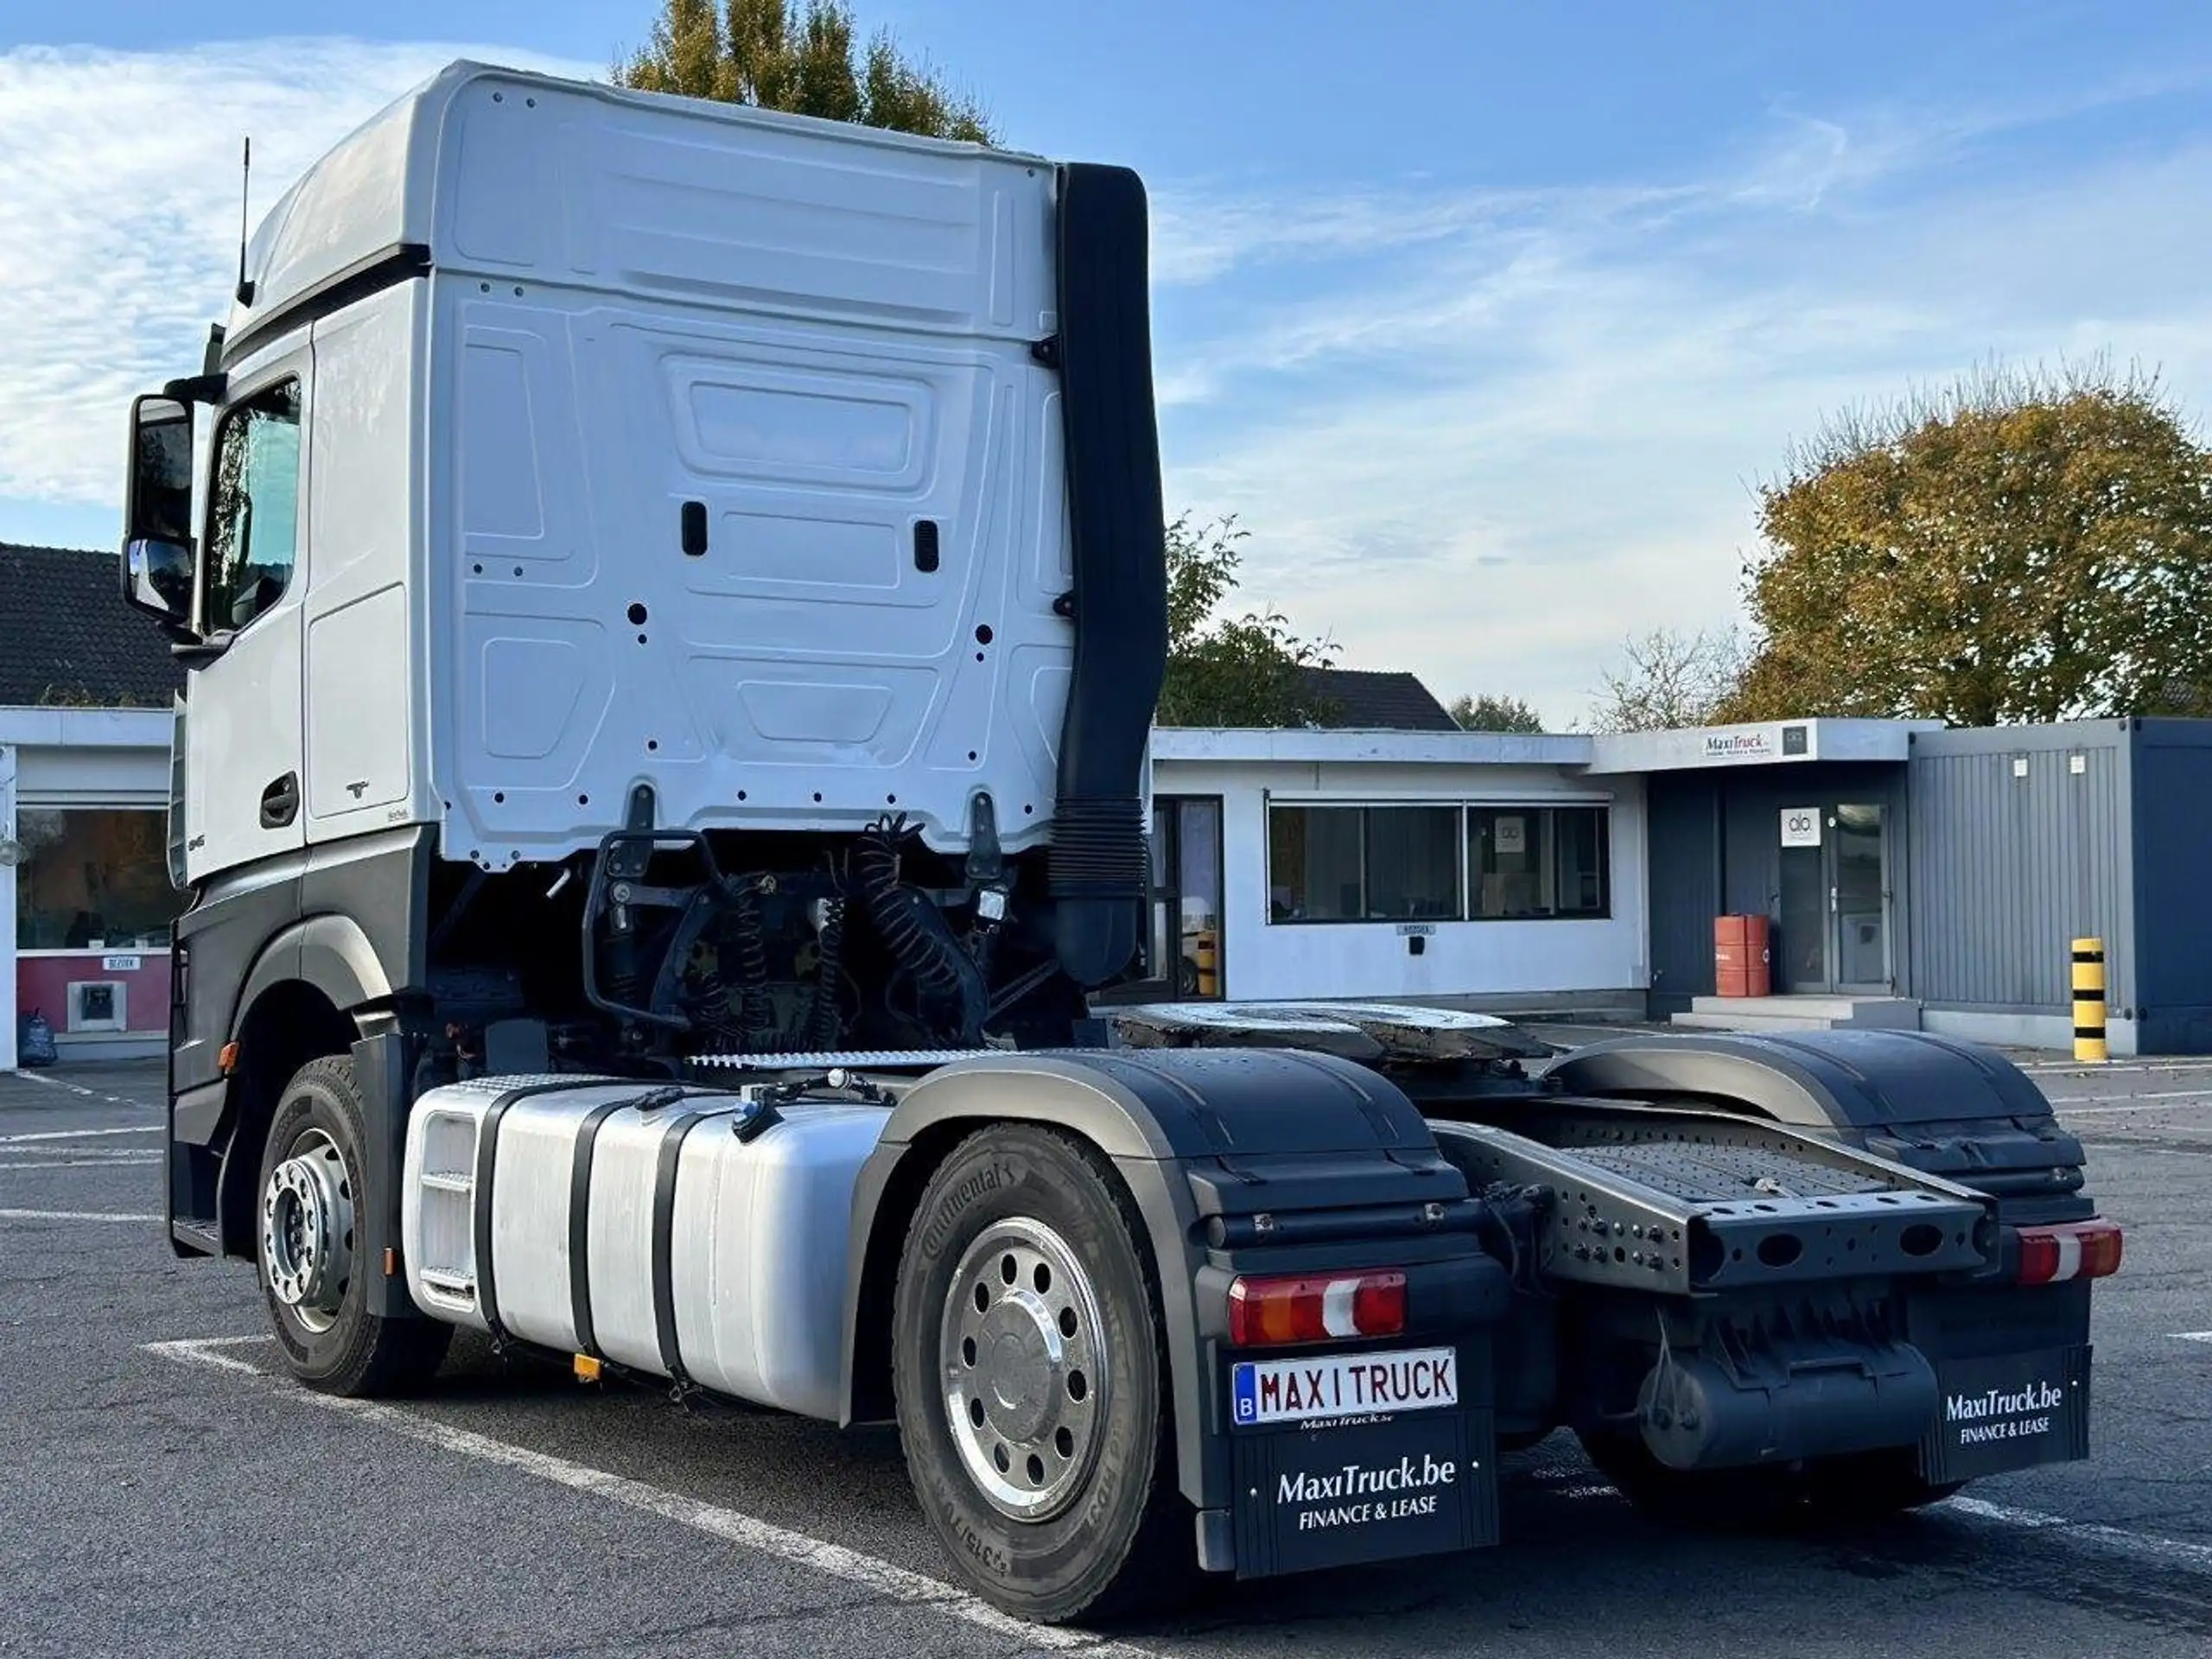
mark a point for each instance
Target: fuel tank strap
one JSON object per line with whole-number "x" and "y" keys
{"x": 488, "y": 1164}
{"x": 671, "y": 1149}
{"x": 580, "y": 1224}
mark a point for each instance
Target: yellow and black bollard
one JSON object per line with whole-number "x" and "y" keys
{"x": 2090, "y": 999}
{"x": 1209, "y": 963}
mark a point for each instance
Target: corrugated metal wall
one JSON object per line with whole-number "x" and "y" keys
{"x": 2015, "y": 852}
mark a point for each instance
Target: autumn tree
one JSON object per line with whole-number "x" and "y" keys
{"x": 2021, "y": 547}
{"x": 801, "y": 60}
{"x": 1243, "y": 670}
{"x": 1669, "y": 678}
{"x": 1490, "y": 714}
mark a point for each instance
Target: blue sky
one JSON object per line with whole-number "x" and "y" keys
{"x": 1485, "y": 320}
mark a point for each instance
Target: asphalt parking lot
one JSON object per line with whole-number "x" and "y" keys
{"x": 161, "y": 1492}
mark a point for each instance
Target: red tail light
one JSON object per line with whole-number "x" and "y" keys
{"x": 2078, "y": 1249}
{"x": 1276, "y": 1313}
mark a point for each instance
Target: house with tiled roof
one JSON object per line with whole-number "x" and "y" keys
{"x": 1365, "y": 699}
{"x": 87, "y": 698}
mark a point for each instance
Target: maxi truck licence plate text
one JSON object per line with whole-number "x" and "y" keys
{"x": 1294, "y": 1391}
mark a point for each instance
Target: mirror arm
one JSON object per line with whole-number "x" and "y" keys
{"x": 198, "y": 653}
{"x": 198, "y": 389}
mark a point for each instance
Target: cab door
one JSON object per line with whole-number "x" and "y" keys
{"x": 245, "y": 798}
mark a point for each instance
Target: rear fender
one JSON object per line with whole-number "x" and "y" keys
{"x": 1155, "y": 1116}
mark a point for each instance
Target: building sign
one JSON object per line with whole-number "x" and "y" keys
{"x": 1738, "y": 746}
{"x": 1742, "y": 743}
{"x": 1801, "y": 826}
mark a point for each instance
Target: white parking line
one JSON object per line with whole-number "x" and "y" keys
{"x": 77, "y": 1089}
{"x": 894, "y": 1583}
{"x": 58, "y": 1083}
{"x": 2063, "y": 1100}
{"x": 2174, "y": 1551}
{"x": 70, "y": 1215}
{"x": 2067, "y": 1109}
{"x": 200, "y": 1350}
{"x": 2193, "y": 1336}
{"x": 117, "y": 1161}
{"x": 76, "y": 1135}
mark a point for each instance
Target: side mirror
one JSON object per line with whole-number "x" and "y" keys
{"x": 157, "y": 580}
{"x": 157, "y": 553}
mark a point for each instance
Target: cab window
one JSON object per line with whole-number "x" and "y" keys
{"x": 253, "y": 523}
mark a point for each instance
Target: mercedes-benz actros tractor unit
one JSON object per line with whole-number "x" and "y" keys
{"x": 672, "y": 599}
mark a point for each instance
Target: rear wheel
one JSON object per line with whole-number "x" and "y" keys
{"x": 1030, "y": 1382}
{"x": 1715, "y": 1500}
{"x": 1868, "y": 1485}
{"x": 313, "y": 1192}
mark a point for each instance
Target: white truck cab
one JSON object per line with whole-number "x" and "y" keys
{"x": 573, "y": 440}
{"x": 577, "y": 461}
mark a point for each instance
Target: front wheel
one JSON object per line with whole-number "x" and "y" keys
{"x": 1030, "y": 1382}
{"x": 313, "y": 1191}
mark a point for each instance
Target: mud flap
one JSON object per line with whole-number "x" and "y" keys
{"x": 1367, "y": 1486}
{"x": 2006, "y": 1412}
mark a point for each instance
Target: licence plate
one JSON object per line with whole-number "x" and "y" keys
{"x": 1343, "y": 1385}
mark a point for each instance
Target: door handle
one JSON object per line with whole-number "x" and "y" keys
{"x": 280, "y": 802}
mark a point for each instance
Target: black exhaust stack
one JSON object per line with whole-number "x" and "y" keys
{"x": 1119, "y": 605}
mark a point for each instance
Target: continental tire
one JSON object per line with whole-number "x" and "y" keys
{"x": 312, "y": 1188}
{"x": 1031, "y": 1380}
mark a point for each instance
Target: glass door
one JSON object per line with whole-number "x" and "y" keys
{"x": 1832, "y": 924}
{"x": 1186, "y": 897}
{"x": 1859, "y": 899}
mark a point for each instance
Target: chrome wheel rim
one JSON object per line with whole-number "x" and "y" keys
{"x": 307, "y": 1231}
{"x": 1022, "y": 1351}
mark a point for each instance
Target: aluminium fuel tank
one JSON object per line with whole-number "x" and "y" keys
{"x": 668, "y": 1230}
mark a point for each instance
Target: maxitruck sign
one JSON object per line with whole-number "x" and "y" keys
{"x": 1790, "y": 742}
{"x": 2010, "y": 1412}
{"x": 1996, "y": 1415}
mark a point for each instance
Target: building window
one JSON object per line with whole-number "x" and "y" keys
{"x": 1313, "y": 864}
{"x": 92, "y": 878}
{"x": 1371, "y": 863}
{"x": 1531, "y": 862}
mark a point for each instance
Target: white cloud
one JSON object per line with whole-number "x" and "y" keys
{"x": 1489, "y": 457}
{"x": 119, "y": 220}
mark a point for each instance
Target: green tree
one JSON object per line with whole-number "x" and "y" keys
{"x": 1244, "y": 671}
{"x": 804, "y": 60}
{"x": 1668, "y": 678}
{"x": 1488, "y": 714}
{"x": 2021, "y": 547}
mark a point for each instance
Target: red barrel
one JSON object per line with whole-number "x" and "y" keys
{"x": 1740, "y": 957}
